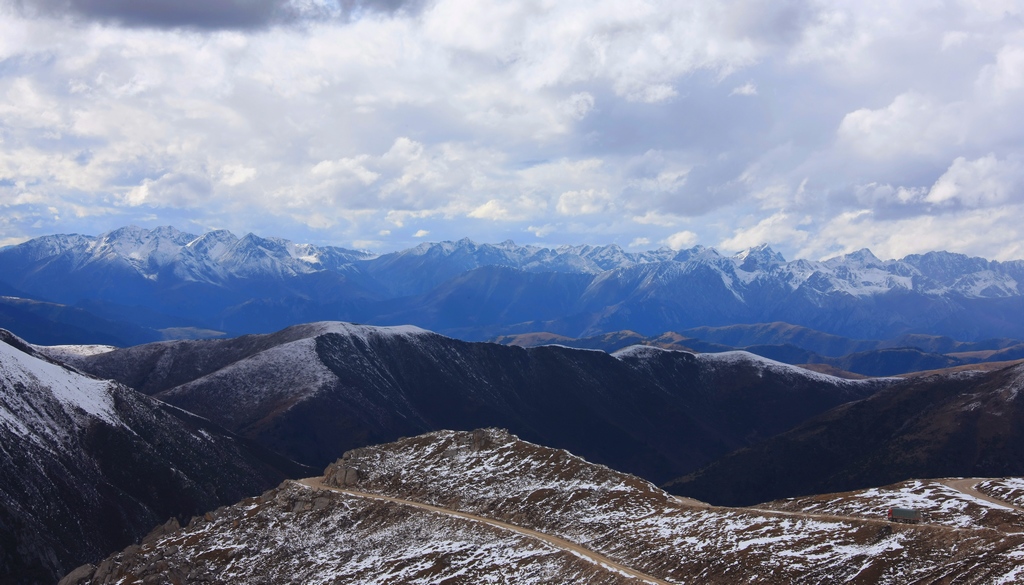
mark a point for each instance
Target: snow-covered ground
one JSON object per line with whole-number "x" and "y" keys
{"x": 939, "y": 502}
{"x": 27, "y": 382}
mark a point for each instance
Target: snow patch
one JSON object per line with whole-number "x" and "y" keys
{"x": 74, "y": 391}
{"x": 366, "y": 331}
{"x": 61, "y": 352}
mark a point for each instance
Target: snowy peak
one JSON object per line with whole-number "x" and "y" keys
{"x": 862, "y": 258}
{"x": 759, "y": 257}
{"x": 213, "y": 244}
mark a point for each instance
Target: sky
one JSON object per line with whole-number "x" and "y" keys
{"x": 819, "y": 127}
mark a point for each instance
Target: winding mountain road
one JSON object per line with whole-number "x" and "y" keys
{"x": 967, "y": 485}
{"x": 560, "y": 543}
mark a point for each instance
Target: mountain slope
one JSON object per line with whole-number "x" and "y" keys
{"x": 319, "y": 531}
{"x": 54, "y": 324}
{"x": 964, "y": 424}
{"x": 313, "y": 391}
{"x": 88, "y": 465}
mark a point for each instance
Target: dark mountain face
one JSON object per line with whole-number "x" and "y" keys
{"x": 966, "y": 424}
{"x": 88, "y": 466}
{"x": 53, "y": 324}
{"x": 313, "y": 391}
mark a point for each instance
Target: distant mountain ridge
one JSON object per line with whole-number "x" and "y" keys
{"x": 218, "y": 281}
{"x": 805, "y": 347}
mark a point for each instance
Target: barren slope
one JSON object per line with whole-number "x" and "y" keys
{"x": 321, "y": 536}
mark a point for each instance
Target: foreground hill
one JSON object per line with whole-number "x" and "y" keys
{"x": 88, "y": 465}
{"x": 315, "y": 390}
{"x": 962, "y": 424}
{"x": 217, "y": 281}
{"x": 484, "y": 506}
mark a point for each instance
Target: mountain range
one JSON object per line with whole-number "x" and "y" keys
{"x": 312, "y": 391}
{"x": 177, "y": 284}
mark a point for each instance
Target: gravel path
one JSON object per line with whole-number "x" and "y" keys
{"x": 317, "y": 483}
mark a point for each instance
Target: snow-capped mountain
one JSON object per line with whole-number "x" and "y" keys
{"x": 218, "y": 281}
{"x": 311, "y": 391}
{"x": 487, "y": 507}
{"x": 89, "y": 465}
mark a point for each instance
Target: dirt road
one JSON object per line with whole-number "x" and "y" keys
{"x": 967, "y": 486}
{"x": 317, "y": 483}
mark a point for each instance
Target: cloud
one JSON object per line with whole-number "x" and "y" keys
{"x": 234, "y": 175}
{"x": 215, "y": 14}
{"x": 203, "y": 14}
{"x": 992, "y": 234}
{"x": 583, "y": 202}
{"x": 747, "y": 89}
{"x": 573, "y": 121}
{"x": 779, "y": 228}
{"x": 681, "y": 240}
{"x": 169, "y": 190}
{"x": 1004, "y": 79}
{"x": 421, "y": 234}
{"x": 912, "y": 124}
{"x": 982, "y": 182}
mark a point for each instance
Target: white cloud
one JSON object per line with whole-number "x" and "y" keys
{"x": 651, "y": 94}
{"x": 421, "y": 234}
{"x": 515, "y": 209}
{"x": 578, "y": 105}
{"x": 640, "y": 243}
{"x": 1004, "y": 79}
{"x": 657, "y": 218}
{"x": 779, "y": 228}
{"x": 981, "y": 182}
{"x": 236, "y": 174}
{"x": 583, "y": 202}
{"x": 747, "y": 89}
{"x": 681, "y": 240}
{"x": 994, "y": 234}
{"x": 353, "y": 167}
{"x": 912, "y": 124}
{"x": 953, "y": 39}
